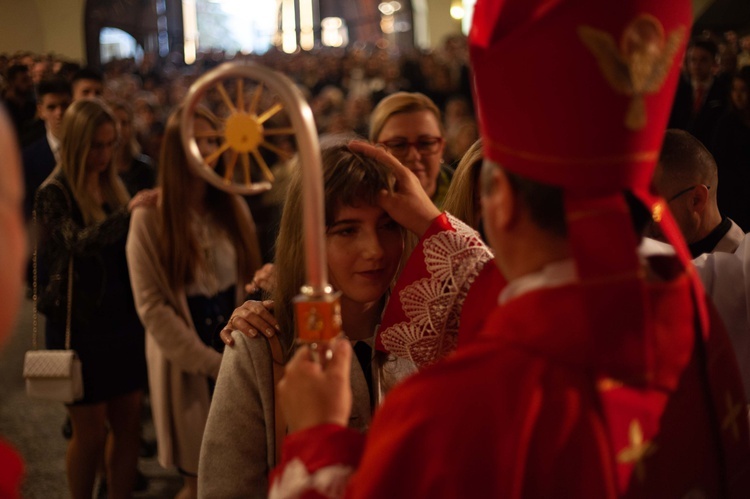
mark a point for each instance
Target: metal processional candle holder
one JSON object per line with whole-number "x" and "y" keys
{"x": 256, "y": 107}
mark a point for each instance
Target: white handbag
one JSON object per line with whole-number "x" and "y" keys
{"x": 52, "y": 374}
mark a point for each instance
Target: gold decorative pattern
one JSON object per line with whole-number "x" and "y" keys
{"x": 245, "y": 131}
{"x": 607, "y": 384}
{"x": 640, "y": 156}
{"x": 629, "y": 276}
{"x": 657, "y": 211}
{"x": 730, "y": 420}
{"x": 575, "y": 215}
{"x": 640, "y": 65}
{"x": 637, "y": 450}
{"x": 314, "y": 320}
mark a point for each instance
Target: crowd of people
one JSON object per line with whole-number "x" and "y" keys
{"x": 575, "y": 390}
{"x": 95, "y": 145}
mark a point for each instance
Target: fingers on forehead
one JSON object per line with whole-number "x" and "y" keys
{"x": 379, "y": 153}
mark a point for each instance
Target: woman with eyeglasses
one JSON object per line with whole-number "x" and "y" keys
{"x": 409, "y": 126}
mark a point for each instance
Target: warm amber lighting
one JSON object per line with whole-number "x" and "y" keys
{"x": 457, "y": 10}
{"x": 288, "y": 27}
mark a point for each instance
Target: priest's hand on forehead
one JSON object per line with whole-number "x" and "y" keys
{"x": 408, "y": 203}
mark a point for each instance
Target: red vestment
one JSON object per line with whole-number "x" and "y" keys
{"x": 11, "y": 472}
{"x": 543, "y": 403}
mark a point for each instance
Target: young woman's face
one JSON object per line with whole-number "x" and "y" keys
{"x": 364, "y": 248}
{"x": 206, "y": 144}
{"x": 102, "y": 148}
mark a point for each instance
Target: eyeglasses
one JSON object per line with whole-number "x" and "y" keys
{"x": 686, "y": 190}
{"x": 425, "y": 146}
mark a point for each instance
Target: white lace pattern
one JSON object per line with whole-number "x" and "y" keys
{"x": 433, "y": 305}
{"x": 329, "y": 481}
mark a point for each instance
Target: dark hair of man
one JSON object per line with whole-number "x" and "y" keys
{"x": 706, "y": 44}
{"x": 16, "y": 70}
{"x": 685, "y": 159}
{"x": 547, "y": 208}
{"x": 544, "y": 202}
{"x": 68, "y": 70}
{"x": 87, "y": 74}
{"x": 53, "y": 86}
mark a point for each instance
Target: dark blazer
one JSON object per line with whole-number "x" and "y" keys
{"x": 731, "y": 148}
{"x": 38, "y": 163}
{"x": 703, "y": 123}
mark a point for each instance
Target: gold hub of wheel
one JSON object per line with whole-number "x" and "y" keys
{"x": 243, "y": 132}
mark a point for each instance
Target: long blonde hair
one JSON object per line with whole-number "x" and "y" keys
{"x": 348, "y": 179}
{"x": 461, "y": 195}
{"x": 81, "y": 121}
{"x": 180, "y": 247}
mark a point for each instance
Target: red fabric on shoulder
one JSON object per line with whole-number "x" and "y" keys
{"x": 482, "y": 297}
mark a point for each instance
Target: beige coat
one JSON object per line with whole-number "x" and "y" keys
{"x": 179, "y": 363}
{"x": 239, "y": 444}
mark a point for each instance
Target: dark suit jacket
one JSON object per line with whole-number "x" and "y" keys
{"x": 702, "y": 123}
{"x": 38, "y": 163}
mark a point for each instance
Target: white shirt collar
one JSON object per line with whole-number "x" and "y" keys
{"x": 703, "y": 84}
{"x": 54, "y": 144}
{"x": 552, "y": 275}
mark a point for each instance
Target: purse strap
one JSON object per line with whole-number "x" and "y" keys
{"x": 277, "y": 358}
{"x": 35, "y": 272}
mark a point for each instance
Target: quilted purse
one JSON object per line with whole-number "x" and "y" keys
{"x": 52, "y": 374}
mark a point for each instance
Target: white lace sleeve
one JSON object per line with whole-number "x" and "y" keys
{"x": 432, "y": 305}
{"x": 295, "y": 481}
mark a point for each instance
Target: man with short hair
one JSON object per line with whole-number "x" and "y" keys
{"x": 701, "y": 97}
{"x": 19, "y": 97}
{"x": 87, "y": 83}
{"x": 40, "y": 157}
{"x": 596, "y": 375}
{"x": 686, "y": 176}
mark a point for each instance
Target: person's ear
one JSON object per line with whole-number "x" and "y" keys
{"x": 509, "y": 201}
{"x": 499, "y": 205}
{"x": 699, "y": 198}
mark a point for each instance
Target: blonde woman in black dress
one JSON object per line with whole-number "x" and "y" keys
{"x": 83, "y": 211}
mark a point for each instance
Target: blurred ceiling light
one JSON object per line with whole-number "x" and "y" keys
{"x": 457, "y": 10}
{"x": 386, "y": 8}
{"x": 334, "y": 32}
{"x": 331, "y": 23}
{"x": 389, "y": 8}
{"x": 387, "y": 25}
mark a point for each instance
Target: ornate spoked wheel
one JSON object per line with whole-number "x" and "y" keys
{"x": 256, "y": 109}
{"x": 262, "y": 114}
